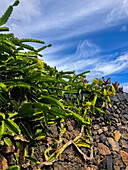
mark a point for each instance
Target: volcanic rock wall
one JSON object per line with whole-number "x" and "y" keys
{"x": 110, "y": 142}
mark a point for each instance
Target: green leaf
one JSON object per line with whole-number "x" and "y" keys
{"x": 47, "y": 79}
{"x": 2, "y": 129}
{"x": 15, "y": 104}
{"x": 22, "y": 84}
{"x": 5, "y": 48}
{"x": 6, "y": 15}
{"x": 34, "y": 76}
{"x": 7, "y": 141}
{"x": 32, "y": 40}
{"x": 41, "y": 106}
{"x": 78, "y": 117}
{"x": 101, "y": 111}
{"x": 3, "y": 99}
{"x": 29, "y": 158}
{"x": 39, "y": 135}
{"x": 42, "y": 48}
{"x": 49, "y": 45}
{"x": 18, "y": 83}
{"x": 52, "y": 157}
{"x": 3, "y": 86}
{"x": 83, "y": 144}
{"x": 26, "y": 110}
{"x": 7, "y": 42}
{"x": 4, "y": 29}
{"x": 51, "y": 100}
{"x": 13, "y": 127}
{"x": 52, "y": 123}
{"x": 58, "y": 112}
{"x": 17, "y": 157}
{"x": 2, "y": 116}
{"x": 45, "y": 118}
{"x": 28, "y": 47}
{"x": 17, "y": 144}
{"x": 8, "y": 12}
{"x": 94, "y": 100}
{"x": 67, "y": 72}
{"x": 69, "y": 91}
{"x": 80, "y": 75}
{"x": 109, "y": 100}
{"x": 113, "y": 90}
{"x": 25, "y": 132}
{"x": 15, "y": 167}
{"x": 4, "y": 36}
{"x": 16, "y": 3}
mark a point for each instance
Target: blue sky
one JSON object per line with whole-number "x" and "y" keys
{"x": 85, "y": 35}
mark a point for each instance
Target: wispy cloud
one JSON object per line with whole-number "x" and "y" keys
{"x": 110, "y": 66}
{"x": 123, "y": 28}
{"x": 80, "y": 60}
{"x": 22, "y": 17}
{"x": 118, "y": 12}
{"x": 125, "y": 87}
{"x": 24, "y": 12}
{"x": 62, "y": 18}
{"x": 87, "y": 57}
{"x": 60, "y": 22}
{"x": 4, "y": 5}
{"x": 113, "y": 66}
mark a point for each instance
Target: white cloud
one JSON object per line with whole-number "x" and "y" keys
{"x": 4, "y": 5}
{"x": 80, "y": 60}
{"x": 125, "y": 6}
{"x": 24, "y": 12}
{"x": 123, "y": 28}
{"x": 118, "y": 13}
{"x": 59, "y": 19}
{"x": 86, "y": 49}
{"x": 113, "y": 66}
{"x": 55, "y": 48}
{"x": 22, "y": 17}
{"x": 125, "y": 86}
{"x": 78, "y": 66}
{"x": 87, "y": 57}
{"x": 64, "y": 13}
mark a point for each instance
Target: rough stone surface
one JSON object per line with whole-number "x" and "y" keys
{"x": 100, "y": 131}
{"x": 126, "y": 116}
{"x": 117, "y": 135}
{"x": 3, "y": 163}
{"x": 124, "y": 143}
{"x": 126, "y": 168}
{"x": 96, "y": 127}
{"x": 105, "y": 129}
{"x": 8, "y": 149}
{"x": 70, "y": 127}
{"x": 110, "y": 141}
{"x": 109, "y": 163}
{"x": 124, "y": 157}
{"x": 114, "y": 144}
{"x": 125, "y": 135}
{"x": 104, "y": 150}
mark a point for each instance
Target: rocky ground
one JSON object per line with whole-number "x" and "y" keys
{"x": 110, "y": 143}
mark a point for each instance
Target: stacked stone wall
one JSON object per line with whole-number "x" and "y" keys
{"x": 110, "y": 142}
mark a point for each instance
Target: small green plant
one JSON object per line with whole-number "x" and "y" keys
{"x": 33, "y": 95}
